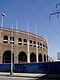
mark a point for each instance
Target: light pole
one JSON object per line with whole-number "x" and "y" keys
{"x": 11, "y": 73}
{"x": 28, "y": 48}
{"x": 3, "y": 15}
{"x": 36, "y": 43}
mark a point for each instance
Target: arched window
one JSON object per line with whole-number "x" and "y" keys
{"x": 22, "y": 57}
{"x": 40, "y": 57}
{"x": 19, "y": 41}
{"x": 25, "y": 42}
{"x": 5, "y": 39}
{"x": 44, "y": 58}
{"x": 30, "y": 42}
{"x": 34, "y": 43}
{"x": 32, "y": 57}
{"x": 12, "y": 40}
{"x": 7, "y": 57}
{"x": 41, "y": 45}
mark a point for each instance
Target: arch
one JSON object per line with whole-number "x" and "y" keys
{"x": 34, "y": 43}
{"x": 32, "y": 57}
{"x": 40, "y": 57}
{"x": 5, "y": 39}
{"x": 44, "y": 58}
{"x": 38, "y": 44}
{"x": 25, "y": 41}
{"x": 22, "y": 57}
{"x": 19, "y": 41}
{"x": 7, "y": 57}
{"x": 30, "y": 42}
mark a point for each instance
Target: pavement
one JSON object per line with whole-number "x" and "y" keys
{"x": 32, "y": 75}
{"x": 21, "y": 74}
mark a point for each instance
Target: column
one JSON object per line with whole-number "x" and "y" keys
{"x": 37, "y": 52}
{"x": 15, "y": 58}
{"x": 16, "y": 41}
{"x": 1, "y": 58}
{"x": 42, "y": 57}
{"x": 22, "y": 41}
{"x": 1, "y": 38}
{"x": 8, "y": 39}
{"x": 28, "y": 55}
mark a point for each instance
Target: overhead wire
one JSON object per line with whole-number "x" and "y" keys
{"x": 39, "y": 8}
{"x": 49, "y": 4}
{"x": 51, "y": 22}
{"x": 45, "y": 14}
{"x": 41, "y": 11}
{"x": 57, "y": 17}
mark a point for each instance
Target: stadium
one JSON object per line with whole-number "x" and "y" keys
{"x": 22, "y": 47}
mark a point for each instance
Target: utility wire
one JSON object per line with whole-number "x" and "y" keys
{"x": 45, "y": 14}
{"x": 49, "y": 4}
{"x": 39, "y": 8}
{"x": 54, "y": 14}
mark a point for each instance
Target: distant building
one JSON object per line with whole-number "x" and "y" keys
{"x": 58, "y": 55}
{"x": 50, "y": 59}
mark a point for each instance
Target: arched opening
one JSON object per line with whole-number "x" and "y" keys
{"x": 19, "y": 41}
{"x": 34, "y": 43}
{"x": 32, "y": 57}
{"x": 38, "y": 44}
{"x": 41, "y": 45}
{"x": 5, "y": 39}
{"x": 44, "y": 58}
{"x": 30, "y": 42}
{"x": 25, "y": 41}
{"x": 22, "y": 57}
{"x": 40, "y": 57}
{"x": 7, "y": 57}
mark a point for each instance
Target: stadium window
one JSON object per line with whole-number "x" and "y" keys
{"x": 38, "y": 44}
{"x": 25, "y": 42}
{"x": 5, "y": 39}
{"x": 34, "y": 43}
{"x": 30, "y": 42}
{"x": 19, "y": 41}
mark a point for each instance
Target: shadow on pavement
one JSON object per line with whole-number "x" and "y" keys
{"x": 49, "y": 77}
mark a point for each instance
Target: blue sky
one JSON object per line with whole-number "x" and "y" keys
{"x": 36, "y": 12}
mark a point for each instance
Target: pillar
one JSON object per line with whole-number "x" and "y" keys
{"x": 1, "y": 58}
{"x": 15, "y": 58}
{"x": 42, "y": 57}
{"x": 37, "y": 52}
{"x": 8, "y": 40}
{"x": 28, "y": 55}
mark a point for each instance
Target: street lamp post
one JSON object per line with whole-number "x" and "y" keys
{"x": 3, "y": 15}
{"x": 11, "y": 73}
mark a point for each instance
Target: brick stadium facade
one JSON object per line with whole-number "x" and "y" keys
{"x": 23, "y": 47}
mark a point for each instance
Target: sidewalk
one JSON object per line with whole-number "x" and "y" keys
{"x": 31, "y": 75}
{"x": 21, "y": 74}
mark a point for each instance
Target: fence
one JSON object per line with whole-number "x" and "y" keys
{"x": 44, "y": 67}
